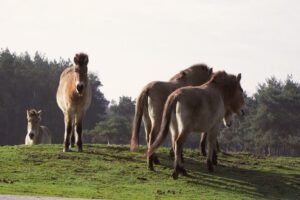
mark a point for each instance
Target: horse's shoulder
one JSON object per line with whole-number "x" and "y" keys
{"x": 67, "y": 71}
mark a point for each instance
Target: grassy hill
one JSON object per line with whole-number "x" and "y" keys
{"x": 112, "y": 172}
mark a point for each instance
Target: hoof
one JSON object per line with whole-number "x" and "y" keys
{"x": 210, "y": 166}
{"x": 79, "y": 150}
{"x": 175, "y": 175}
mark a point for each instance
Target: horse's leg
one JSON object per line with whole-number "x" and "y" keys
{"x": 211, "y": 137}
{"x": 203, "y": 143}
{"x": 78, "y": 130}
{"x": 218, "y": 146}
{"x": 68, "y": 130}
{"x": 174, "y": 135}
{"x": 147, "y": 125}
{"x": 178, "y": 165}
{"x": 73, "y": 136}
{"x": 152, "y": 137}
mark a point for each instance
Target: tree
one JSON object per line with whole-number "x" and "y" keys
{"x": 32, "y": 83}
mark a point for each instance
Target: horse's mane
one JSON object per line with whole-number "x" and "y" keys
{"x": 33, "y": 112}
{"x": 81, "y": 59}
{"x": 227, "y": 82}
{"x": 188, "y": 70}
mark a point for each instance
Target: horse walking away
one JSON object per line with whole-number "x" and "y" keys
{"x": 151, "y": 100}
{"x": 200, "y": 109}
{"x": 36, "y": 134}
{"x": 73, "y": 97}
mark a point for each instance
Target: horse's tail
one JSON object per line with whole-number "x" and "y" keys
{"x": 140, "y": 105}
{"x": 169, "y": 107}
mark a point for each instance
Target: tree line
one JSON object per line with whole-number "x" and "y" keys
{"x": 27, "y": 83}
{"x": 270, "y": 127}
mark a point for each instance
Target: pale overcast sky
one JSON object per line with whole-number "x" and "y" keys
{"x": 133, "y": 42}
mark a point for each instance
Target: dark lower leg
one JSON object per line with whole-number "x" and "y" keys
{"x": 215, "y": 158}
{"x": 203, "y": 143}
{"x": 79, "y": 136}
{"x": 72, "y": 136}
{"x": 68, "y": 130}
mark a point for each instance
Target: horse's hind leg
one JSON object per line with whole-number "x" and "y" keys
{"x": 178, "y": 149}
{"x": 152, "y": 136}
{"x": 68, "y": 131}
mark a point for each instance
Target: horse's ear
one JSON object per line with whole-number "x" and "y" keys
{"x": 86, "y": 60}
{"x": 40, "y": 113}
{"x": 239, "y": 76}
{"x": 182, "y": 74}
{"x": 76, "y": 60}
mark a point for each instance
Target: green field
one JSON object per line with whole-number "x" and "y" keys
{"x": 112, "y": 172}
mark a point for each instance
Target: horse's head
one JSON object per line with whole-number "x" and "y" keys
{"x": 33, "y": 119}
{"x": 81, "y": 79}
{"x": 233, "y": 94}
{"x": 194, "y": 75}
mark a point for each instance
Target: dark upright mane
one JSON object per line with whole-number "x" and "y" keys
{"x": 228, "y": 83}
{"x": 33, "y": 112}
{"x": 81, "y": 59}
{"x": 181, "y": 74}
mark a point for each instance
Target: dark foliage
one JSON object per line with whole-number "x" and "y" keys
{"x": 27, "y": 83}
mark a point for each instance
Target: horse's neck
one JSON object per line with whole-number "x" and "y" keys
{"x": 220, "y": 89}
{"x": 178, "y": 84}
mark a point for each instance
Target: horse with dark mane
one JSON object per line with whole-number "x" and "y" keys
{"x": 73, "y": 97}
{"x": 200, "y": 109}
{"x": 151, "y": 100}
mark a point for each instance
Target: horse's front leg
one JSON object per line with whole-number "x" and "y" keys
{"x": 78, "y": 130}
{"x": 68, "y": 132}
{"x": 203, "y": 143}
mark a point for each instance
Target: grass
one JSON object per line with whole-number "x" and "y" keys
{"x": 112, "y": 172}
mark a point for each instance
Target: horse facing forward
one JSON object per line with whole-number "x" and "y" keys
{"x": 73, "y": 97}
{"x": 200, "y": 109}
{"x": 36, "y": 134}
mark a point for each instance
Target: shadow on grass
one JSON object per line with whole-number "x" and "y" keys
{"x": 254, "y": 183}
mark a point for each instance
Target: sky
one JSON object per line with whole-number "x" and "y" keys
{"x": 133, "y": 42}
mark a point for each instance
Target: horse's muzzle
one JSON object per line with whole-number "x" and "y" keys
{"x": 79, "y": 88}
{"x": 31, "y": 135}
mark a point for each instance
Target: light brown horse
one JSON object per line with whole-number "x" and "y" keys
{"x": 150, "y": 103}
{"x": 36, "y": 134}
{"x": 200, "y": 109}
{"x": 73, "y": 97}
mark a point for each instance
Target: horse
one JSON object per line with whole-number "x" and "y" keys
{"x": 200, "y": 109}
{"x": 36, "y": 134}
{"x": 73, "y": 97}
{"x": 151, "y": 101}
